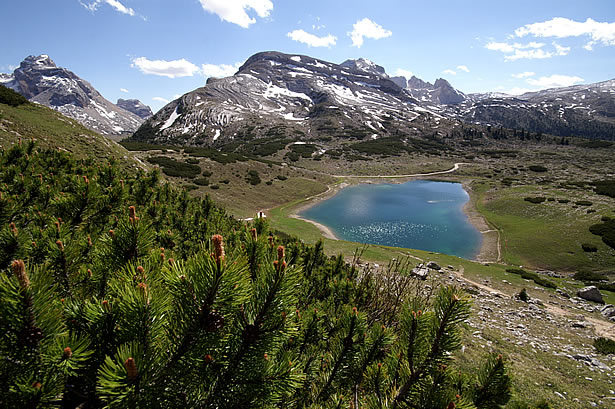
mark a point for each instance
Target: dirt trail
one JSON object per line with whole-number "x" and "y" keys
{"x": 601, "y": 327}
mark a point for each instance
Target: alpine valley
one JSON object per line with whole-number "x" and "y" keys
{"x": 174, "y": 269}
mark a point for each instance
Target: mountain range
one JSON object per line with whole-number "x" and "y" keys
{"x": 274, "y": 93}
{"x": 40, "y": 80}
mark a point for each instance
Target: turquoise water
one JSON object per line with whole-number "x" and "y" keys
{"x": 420, "y": 214}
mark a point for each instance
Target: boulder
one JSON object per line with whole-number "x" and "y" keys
{"x": 433, "y": 265}
{"x": 590, "y": 293}
{"x": 608, "y": 311}
{"x": 420, "y": 271}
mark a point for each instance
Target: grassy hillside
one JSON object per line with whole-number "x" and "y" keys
{"x": 53, "y": 130}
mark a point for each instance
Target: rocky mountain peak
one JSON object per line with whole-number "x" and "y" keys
{"x": 365, "y": 65}
{"x": 136, "y": 107}
{"x": 417, "y": 83}
{"x": 40, "y": 80}
{"x": 38, "y": 62}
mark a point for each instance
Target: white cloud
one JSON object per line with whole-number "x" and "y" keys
{"x": 451, "y": 72}
{"x": 560, "y": 27}
{"x": 171, "y": 69}
{"x": 463, "y": 68}
{"x": 555, "y": 81}
{"x": 113, "y": 3}
{"x": 535, "y": 54}
{"x": 524, "y": 74}
{"x": 160, "y": 99}
{"x": 219, "y": 71}
{"x": 234, "y": 11}
{"x": 311, "y": 40}
{"x": 560, "y": 50}
{"x": 368, "y": 29}
{"x": 531, "y": 51}
{"x": 400, "y": 72}
{"x": 124, "y": 90}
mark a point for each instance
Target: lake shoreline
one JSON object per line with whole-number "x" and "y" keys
{"x": 489, "y": 250}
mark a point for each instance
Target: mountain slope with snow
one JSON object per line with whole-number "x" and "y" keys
{"x": 40, "y": 80}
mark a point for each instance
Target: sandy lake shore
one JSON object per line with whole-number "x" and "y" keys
{"x": 490, "y": 246}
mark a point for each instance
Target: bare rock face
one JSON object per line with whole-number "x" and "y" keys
{"x": 40, "y": 80}
{"x": 590, "y": 293}
{"x": 136, "y": 107}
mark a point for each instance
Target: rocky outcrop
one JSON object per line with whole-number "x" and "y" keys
{"x": 136, "y": 107}
{"x": 40, "y": 80}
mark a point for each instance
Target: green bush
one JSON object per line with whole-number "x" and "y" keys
{"x": 606, "y": 230}
{"x": 533, "y": 276}
{"x": 538, "y": 168}
{"x": 604, "y": 346}
{"x": 192, "y": 161}
{"x": 207, "y": 173}
{"x": 563, "y": 200}
{"x": 583, "y": 203}
{"x": 523, "y": 296}
{"x": 201, "y": 181}
{"x": 535, "y": 200}
{"x": 214, "y": 187}
{"x": 589, "y": 248}
{"x": 171, "y": 167}
{"x": 588, "y": 276}
{"x": 605, "y": 187}
{"x": 10, "y": 97}
{"x": 253, "y": 177}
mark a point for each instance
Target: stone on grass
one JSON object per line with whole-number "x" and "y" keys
{"x": 590, "y": 293}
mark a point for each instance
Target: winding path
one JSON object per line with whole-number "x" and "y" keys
{"x": 440, "y": 172}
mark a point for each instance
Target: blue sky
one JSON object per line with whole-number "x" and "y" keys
{"x": 155, "y": 50}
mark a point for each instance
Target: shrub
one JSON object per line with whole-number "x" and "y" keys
{"x": 589, "y": 248}
{"x": 606, "y": 230}
{"x": 563, "y": 201}
{"x": 587, "y": 276}
{"x": 225, "y": 181}
{"x": 192, "y": 161}
{"x": 281, "y": 177}
{"x": 269, "y": 182}
{"x": 604, "y": 346}
{"x": 605, "y": 187}
{"x": 523, "y": 295}
{"x": 171, "y": 167}
{"x": 201, "y": 181}
{"x": 10, "y": 97}
{"x": 207, "y": 173}
{"x": 535, "y": 200}
{"x": 583, "y": 203}
{"x": 537, "y": 168}
{"x": 215, "y": 187}
{"x": 253, "y": 177}
{"x": 532, "y": 276}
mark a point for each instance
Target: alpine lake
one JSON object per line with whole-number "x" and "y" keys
{"x": 420, "y": 214}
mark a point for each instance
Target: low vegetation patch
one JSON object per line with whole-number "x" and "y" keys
{"x": 253, "y": 177}
{"x": 201, "y": 181}
{"x": 536, "y": 199}
{"x": 589, "y": 248}
{"x": 605, "y": 187}
{"x": 606, "y": 230}
{"x": 583, "y": 203}
{"x": 10, "y": 97}
{"x": 532, "y": 276}
{"x": 589, "y": 276}
{"x": 171, "y": 167}
{"x": 604, "y": 346}
{"x": 537, "y": 168}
